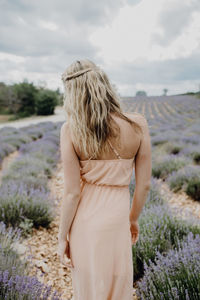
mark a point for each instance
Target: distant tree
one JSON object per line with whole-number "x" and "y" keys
{"x": 165, "y": 91}
{"x": 141, "y": 93}
{"x": 46, "y": 100}
{"x": 8, "y": 101}
{"x": 3, "y": 95}
{"x": 25, "y": 93}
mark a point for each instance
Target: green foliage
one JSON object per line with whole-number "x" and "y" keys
{"x": 46, "y": 100}
{"x": 26, "y": 226}
{"x": 8, "y": 101}
{"x": 193, "y": 189}
{"x": 25, "y": 99}
{"x": 141, "y": 93}
{"x": 25, "y": 93}
{"x": 196, "y": 157}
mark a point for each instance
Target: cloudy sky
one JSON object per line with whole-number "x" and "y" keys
{"x": 141, "y": 44}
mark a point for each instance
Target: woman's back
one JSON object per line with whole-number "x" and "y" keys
{"x": 100, "y": 236}
{"x": 129, "y": 139}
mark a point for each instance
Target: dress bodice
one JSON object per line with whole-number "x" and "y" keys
{"x": 115, "y": 172}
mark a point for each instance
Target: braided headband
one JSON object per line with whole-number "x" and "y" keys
{"x": 81, "y": 72}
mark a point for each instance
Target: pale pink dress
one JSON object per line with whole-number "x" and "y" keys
{"x": 100, "y": 237}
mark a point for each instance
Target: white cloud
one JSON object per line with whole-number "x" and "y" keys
{"x": 48, "y": 25}
{"x": 141, "y": 44}
{"x": 133, "y": 34}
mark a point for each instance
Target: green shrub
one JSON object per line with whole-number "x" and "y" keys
{"x": 196, "y": 157}
{"x": 193, "y": 189}
{"x": 26, "y": 94}
{"x": 46, "y": 101}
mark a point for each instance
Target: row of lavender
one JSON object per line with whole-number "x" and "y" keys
{"x": 175, "y": 135}
{"x": 167, "y": 252}
{"x": 12, "y": 138}
{"x": 166, "y": 257}
{"x": 26, "y": 202}
{"x": 176, "y": 150}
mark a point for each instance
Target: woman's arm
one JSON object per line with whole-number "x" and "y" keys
{"x": 143, "y": 169}
{"x": 71, "y": 193}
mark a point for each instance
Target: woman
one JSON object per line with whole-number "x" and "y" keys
{"x": 100, "y": 145}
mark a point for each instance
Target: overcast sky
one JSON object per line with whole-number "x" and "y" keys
{"x": 141, "y": 44}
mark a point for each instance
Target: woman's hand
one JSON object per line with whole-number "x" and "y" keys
{"x": 134, "y": 227}
{"x": 63, "y": 251}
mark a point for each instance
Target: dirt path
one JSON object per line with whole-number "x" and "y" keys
{"x": 57, "y": 117}
{"x": 184, "y": 205}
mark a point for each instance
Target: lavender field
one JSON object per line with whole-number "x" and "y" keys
{"x": 174, "y": 125}
{"x": 166, "y": 256}
{"x": 25, "y": 203}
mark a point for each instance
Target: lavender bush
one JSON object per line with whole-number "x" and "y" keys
{"x": 25, "y": 288}
{"x": 169, "y": 135}
{"x": 154, "y": 196}
{"x": 14, "y": 280}
{"x": 25, "y": 200}
{"x": 158, "y": 140}
{"x": 166, "y": 164}
{"x": 12, "y": 138}
{"x": 5, "y": 149}
{"x": 9, "y": 259}
{"x": 186, "y": 179}
{"x": 17, "y": 204}
{"x": 45, "y": 149}
{"x": 175, "y": 275}
{"x": 24, "y": 166}
{"x": 160, "y": 230}
{"x": 193, "y": 189}
{"x": 192, "y": 151}
{"x": 191, "y": 139}
{"x": 173, "y": 147}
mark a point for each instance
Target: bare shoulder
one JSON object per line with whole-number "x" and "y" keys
{"x": 65, "y": 131}
{"x": 137, "y": 117}
{"x": 64, "y": 127}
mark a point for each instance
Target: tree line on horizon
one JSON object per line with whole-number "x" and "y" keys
{"x": 25, "y": 99}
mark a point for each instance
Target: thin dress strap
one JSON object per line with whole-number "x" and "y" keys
{"x": 118, "y": 156}
{"x": 114, "y": 150}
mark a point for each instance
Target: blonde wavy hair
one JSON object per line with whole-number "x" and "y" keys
{"x": 89, "y": 99}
